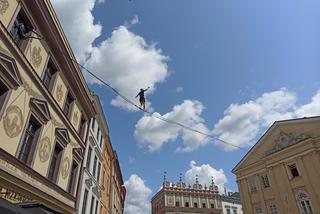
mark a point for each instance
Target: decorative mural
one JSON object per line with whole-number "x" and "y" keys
{"x": 59, "y": 93}
{"x": 75, "y": 117}
{"x": 44, "y": 149}
{"x": 13, "y": 121}
{"x": 65, "y": 167}
{"x": 36, "y": 57}
{"x": 4, "y": 5}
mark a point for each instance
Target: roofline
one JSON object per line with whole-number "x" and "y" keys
{"x": 100, "y": 114}
{"x": 276, "y": 123}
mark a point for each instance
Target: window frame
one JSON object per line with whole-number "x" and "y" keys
{"x": 5, "y": 97}
{"x": 252, "y": 188}
{"x": 265, "y": 181}
{"x": 70, "y": 106}
{"x": 57, "y": 167}
{"x": 53, "y": 76}
{"x": 35, "y": 141}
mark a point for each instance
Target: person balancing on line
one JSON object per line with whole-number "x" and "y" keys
{"x": 142, "y": 99}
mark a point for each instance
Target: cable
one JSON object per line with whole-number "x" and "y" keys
{"x": 152, "y": 113}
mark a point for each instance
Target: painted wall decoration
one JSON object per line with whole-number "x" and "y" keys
{"x": 75, "y": 118}
{"x": 30, "y": 91}
{"x": 36, "y": 57}
{"x": 13, "y": 121}
{"x": 4, "y": 5}
{"x": 44, "y": 149}
{"x": 65, "y": 167}
{"x": 59, "y": 93}
{"x": 56, "y": 123}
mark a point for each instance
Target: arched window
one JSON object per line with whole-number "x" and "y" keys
{"x": 304, "y": 203}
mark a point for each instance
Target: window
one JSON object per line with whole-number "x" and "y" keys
{"x": 212, "y": 205}
{"x": 99, "y": 167}
{"x": 177, "y": 204}
{"x": 4, "y": 92}
{"x": 67, "y": 105}
{"x": 187, "y": 204}
{"x": 265, "y": 181}
{"x": 228, "y": 211}
{"x": 92, "y": 204}
{"x": 29, "y": 140}
{"x": 20, "y": 28}
{"x": 252, "y": 185}
{"x": 195, "y": 204}
{"x": 73, "y": 176}
{"x": 101, "y": 141}
{"x": 82, "y": 127}
{"x": 305, "y": 203}
{"x": 48, "y": 75}
{"x": 94, "y": 166}
{"x": 88, "y": 158}
{"x": 203, "y": 205}
{"x": 96, "y": 207}
{"x": 273, "y": 209}
{"x": 259, "y": 210}
{"x": 98, "y": 134}
{"x": 294, "y": 171}
{"x": 55, "y": 163}
{"x": 93, "y": 123}
{"x": 235, "y": 211}
{"x": 85, "y": 198}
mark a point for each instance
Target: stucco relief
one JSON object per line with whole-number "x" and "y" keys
{"x": 12, "y": 121}
{"x": 36, "y": 57}
{"x": 59, "y": 93}
{"x": 44, "y": 149}
{"x": 4, "y": 5}
{"x": 65, "y": 167}
{"x": 285, "y": 140}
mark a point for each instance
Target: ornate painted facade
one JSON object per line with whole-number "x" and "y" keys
{"x": 280, "y": 174}
{"x": 180, "y": 198}
{"x": 45, "y": 106}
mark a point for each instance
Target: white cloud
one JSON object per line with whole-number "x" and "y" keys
{"x": 138, "y": 196}
{"x": 310, "y": 109}
{"x": 205, "y": 173}
{"x": 179, "y": 89}
{"x": 101, "y": 1}
{"x": 78, "y": 23}
{"x": 128, "y": 63}
{"x": 242, "y": 122}
{"x": 153, "y": 133}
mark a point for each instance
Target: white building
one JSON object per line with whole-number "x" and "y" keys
{"x": 231, "y": 203}
{"x": 90, "y": 184}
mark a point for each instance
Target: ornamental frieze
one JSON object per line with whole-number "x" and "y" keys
{"x": 36, "y": 57}
{"x": 13, "y": 121}
{"x": 65, "y": 167}
{"x": 4, "y": 5}
{"x": 44, "y": 149}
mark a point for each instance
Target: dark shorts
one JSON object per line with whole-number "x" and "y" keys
{"x": 142, "y": 100}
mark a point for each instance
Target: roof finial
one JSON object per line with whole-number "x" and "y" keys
{"x": 164, "y": 176}
{"x": 212, "y": 182}
{"x": 180, "y": 179}
{"x": 197, "y": 179}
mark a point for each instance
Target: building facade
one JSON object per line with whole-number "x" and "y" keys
{"x": 231, "y": 203}
{"x": 106, "y": 176}
{"x": 43, "y": 116}
{"x": 117, "y": 188}
{"x": 280, "y": 174}
{"x": 182, "y": 199}
{"x": 91, "y": 182}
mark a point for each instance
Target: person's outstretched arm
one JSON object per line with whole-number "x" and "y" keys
{"x": 146, "y": 89}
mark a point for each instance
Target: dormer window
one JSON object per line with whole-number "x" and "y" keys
{"x": 49, "y": 74}
{"x": 20, "y": 28}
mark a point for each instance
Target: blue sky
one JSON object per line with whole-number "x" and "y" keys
{"x": 239, "y": 66}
